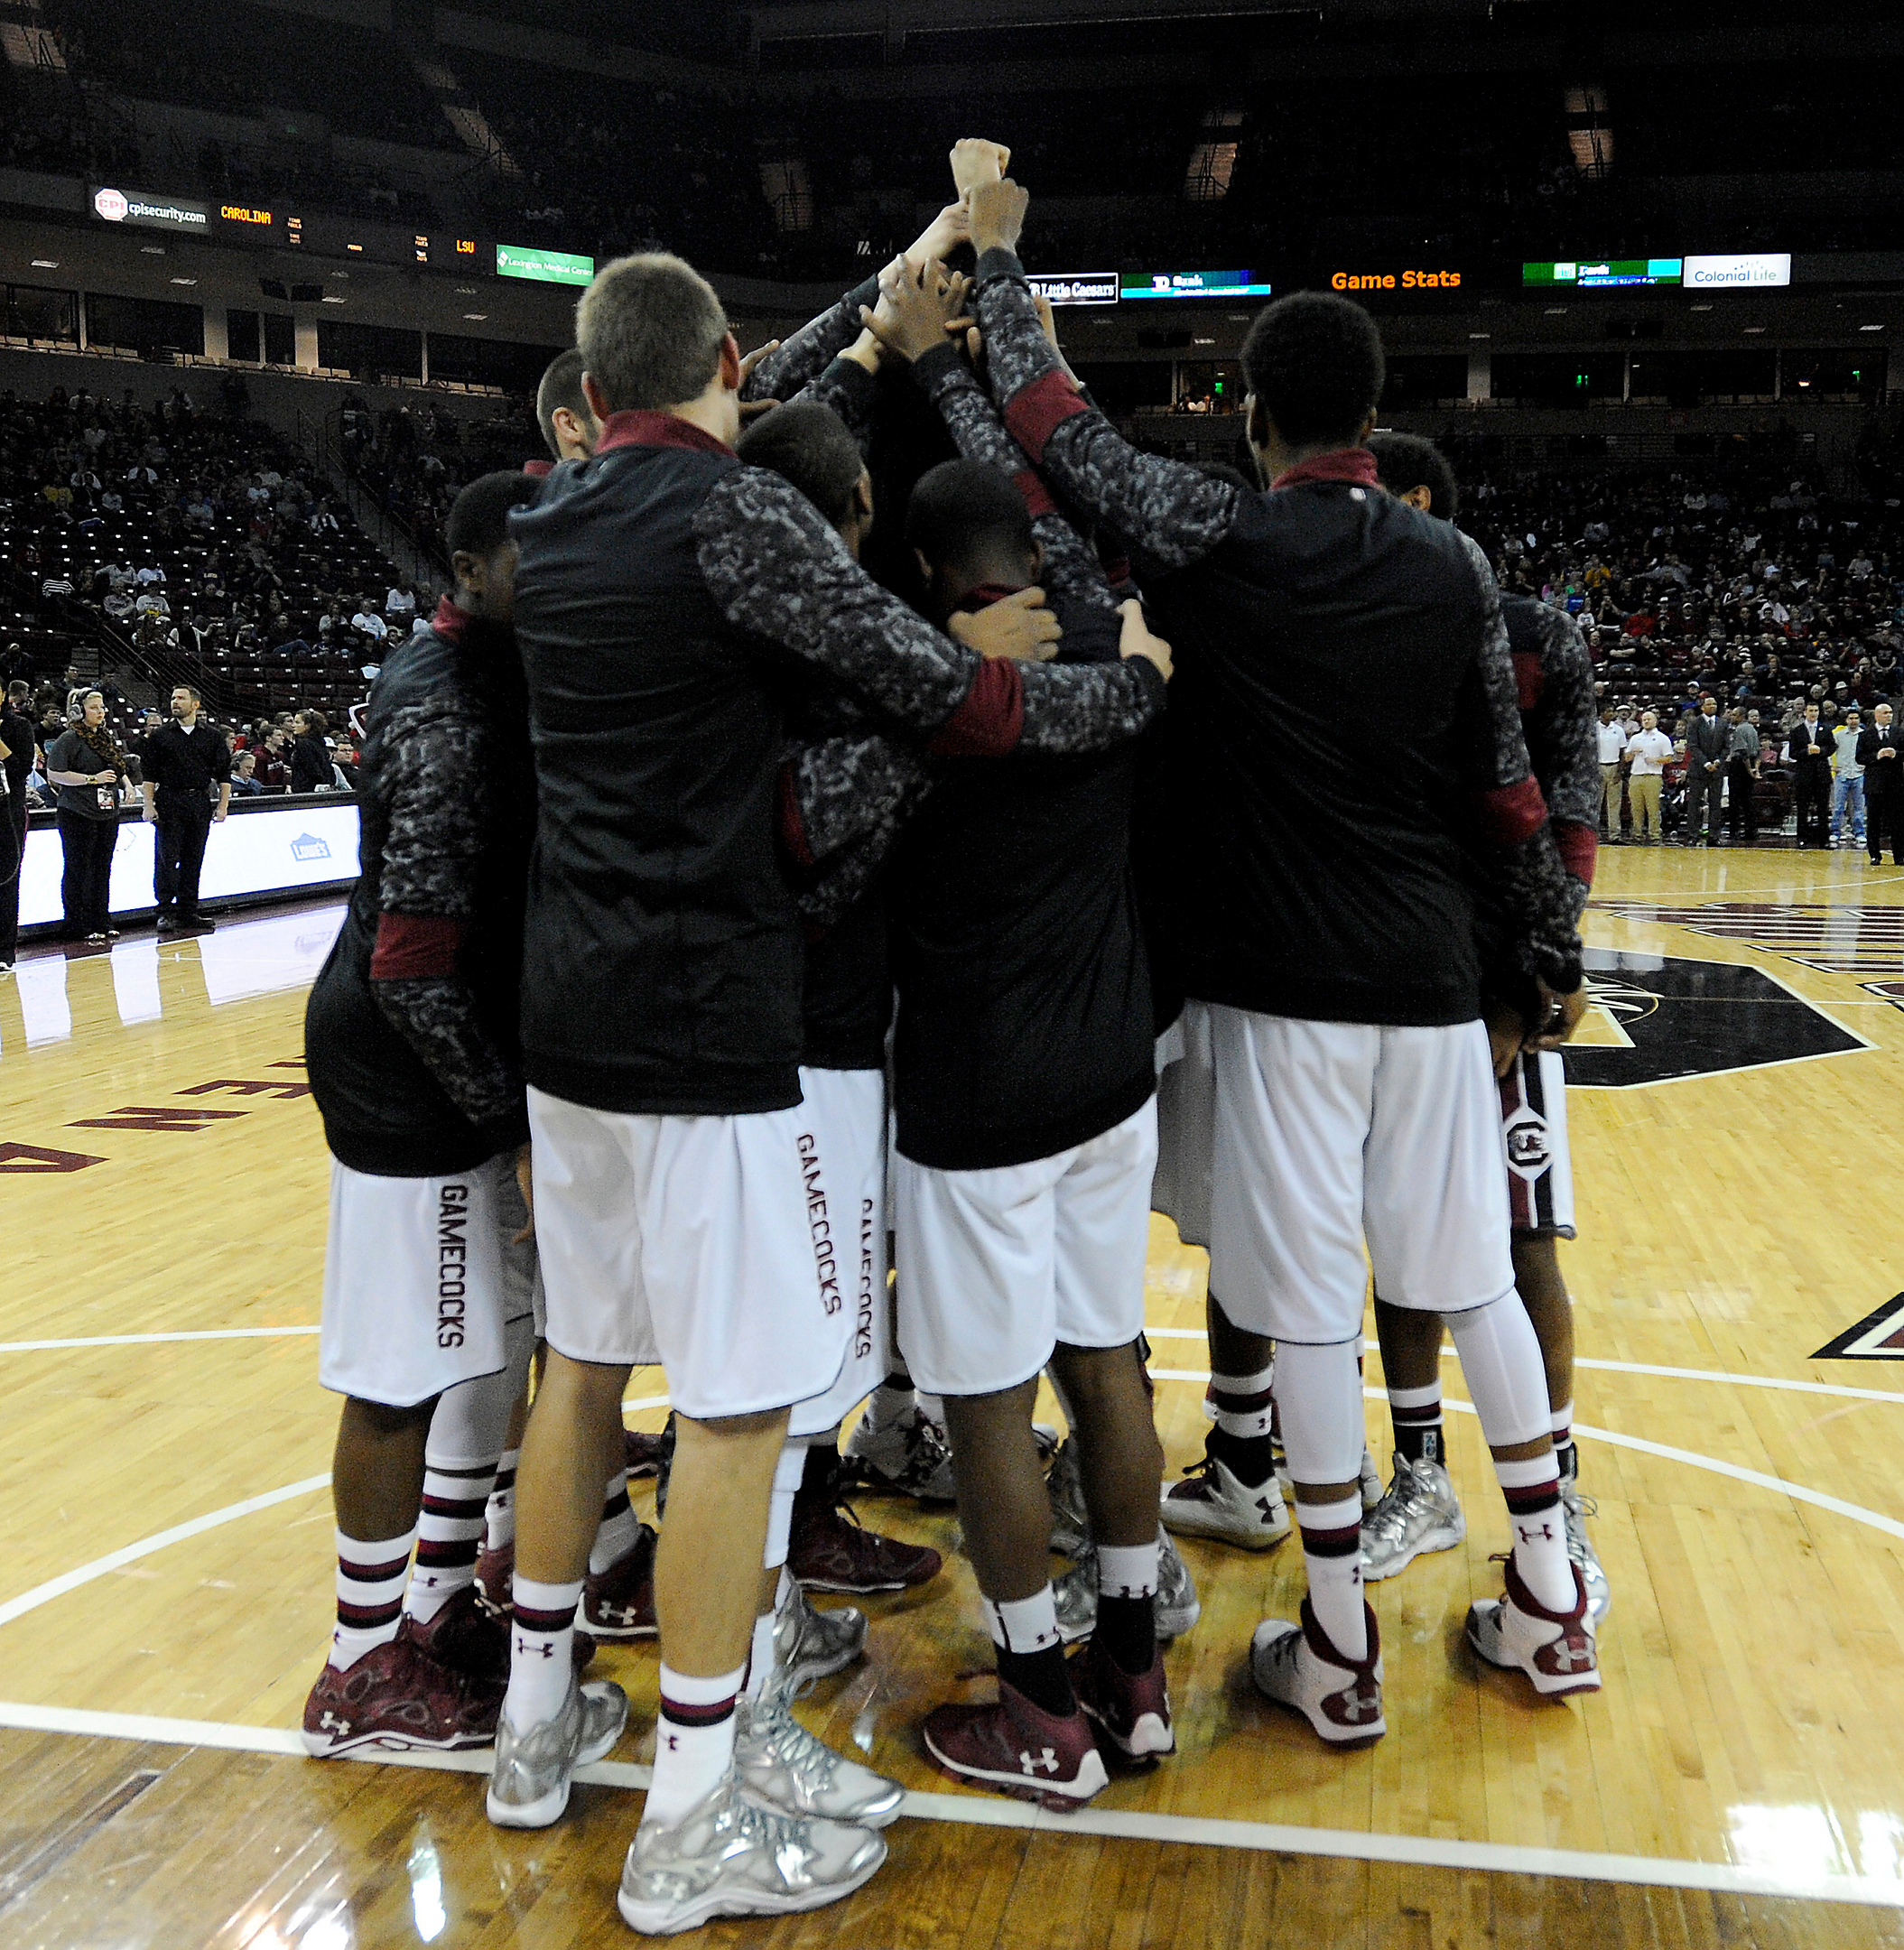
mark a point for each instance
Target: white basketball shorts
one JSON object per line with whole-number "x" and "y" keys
{"x": 1533, "y": 1128}
{"x": 1186, "y": 1124}
{"x": 846, "y": 1110}
{"x": 421, "y": 1278}
{"x": 1328, "y": 1134}
{"x": 996, "y": 1267}
{"x": 711, "y": 1244}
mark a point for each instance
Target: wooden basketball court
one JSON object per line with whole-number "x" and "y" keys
{"x": 165, "y": 1590}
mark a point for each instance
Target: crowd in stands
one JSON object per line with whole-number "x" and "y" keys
{"x": 413, "y": 458}
{"x": 186, "y": 542}
{"x": 741, "y": 182}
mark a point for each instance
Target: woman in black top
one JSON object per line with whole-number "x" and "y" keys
{"x": 311, "y": 765}
{"x": 86, "y": 764}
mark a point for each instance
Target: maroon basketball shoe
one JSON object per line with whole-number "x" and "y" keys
{"x": 1132, "y": 1709}
{"x": 470, "y": 1638}
{"x": 831, "y": 1550}
{"x": 496, "y": 1579}
{"x": 397, "y": 1696}
{"x": 1017, "y": 1748}
{"x": 618, "y": 1604}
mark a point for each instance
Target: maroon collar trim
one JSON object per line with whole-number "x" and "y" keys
{"x": 450, "y": 621}
{"x": 1352, "y": 465}
{"x": 639, "y": 428}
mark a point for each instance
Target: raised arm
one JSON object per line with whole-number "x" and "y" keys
{"x": 775, "y": 567}
{"x": 801, "y": 359}
{"x": 1072, "y": 569}
{"x": 427, "y": 900}
{"x": 1173, "y": 513}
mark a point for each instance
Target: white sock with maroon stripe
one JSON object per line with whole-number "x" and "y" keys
{"x": 1332, "y": 1555}
{"x": 1243, "y": 1403}
{"x": 1540, "y": 1539}
{"x": 542, "y": 1651}
{"x": 449, "y": 1536}
{"x": 370, "y": 1594}
{"x": 620, "y": 1526}
{"x": 693, "y": 1743}
{"x": 499, "y": 1518}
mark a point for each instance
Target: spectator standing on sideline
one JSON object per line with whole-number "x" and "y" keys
{"x": 1612, "y": 744}
{"x": 1741, "y": 774}
{"x": 1708, "y": 739}
{"x": 1647, "y": 752}
{"x": 1809, "y": 749}
{"x": 182, "y": 762}
{"x": 311, "y": 766}
{"x": 86, "y": 764}
{"x": 1847, "y": 785}
{"x": 18, "y": 745}
{"x": 1878, "y": 752}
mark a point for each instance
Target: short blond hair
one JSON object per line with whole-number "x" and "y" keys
{"x": 649, "y": 330}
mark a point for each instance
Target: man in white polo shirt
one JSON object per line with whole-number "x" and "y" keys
{"x": 1647, "y": 752}
{"x": 1613, "y": 746}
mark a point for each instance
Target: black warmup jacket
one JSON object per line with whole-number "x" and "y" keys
{"x": 664, "y": 594}
{"x": 1025, "y": 1020}
{"x": 410, "y": 1033}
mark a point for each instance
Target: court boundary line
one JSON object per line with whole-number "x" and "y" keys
{"x": 1503, "y": 1858}
{"x": 153, "y": 1339}
{"x": 1774, "y": 1382}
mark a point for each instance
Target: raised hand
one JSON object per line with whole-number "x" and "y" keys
{"x": 998, "y": 215}
{"x": 952, "y": 226}
{"x": 913, "y": 308}
{"x": 753, "y": 409}
{"x": 975, "y": 161}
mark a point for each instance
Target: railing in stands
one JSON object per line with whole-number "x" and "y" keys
{"x": 321, "y": 441}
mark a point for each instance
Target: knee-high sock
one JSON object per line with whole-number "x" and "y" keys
{"x": 1318, "y": 1391}
{"x": 1501, "y": 1359}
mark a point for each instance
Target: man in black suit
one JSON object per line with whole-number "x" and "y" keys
{"x": 1878, "y": 753}
{"x": 1808, "y": 751}
{"x": 1708, "y": 741}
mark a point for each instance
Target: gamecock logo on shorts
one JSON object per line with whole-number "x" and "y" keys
{"x": 1528, "y": 1151}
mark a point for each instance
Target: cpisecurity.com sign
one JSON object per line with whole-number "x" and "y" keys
{"x": 152, "y": 213}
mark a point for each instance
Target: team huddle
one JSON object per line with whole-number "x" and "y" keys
{"x": 798, "y": 946}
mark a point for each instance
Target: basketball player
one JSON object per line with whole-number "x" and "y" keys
{"x": 1419, "y": 1510}
{"x": 569, "y": 430}
{"x": 411, "y": 1033}
{"x": 1328, "y": 924}
{"x": 1073, "y": 576}
{"x": 681, "y": 1196}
